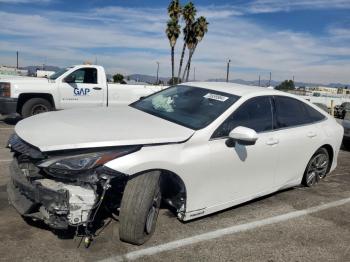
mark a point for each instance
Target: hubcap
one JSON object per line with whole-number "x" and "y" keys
{"x": 38, "y": 109}
{"x": 317, "y": 169}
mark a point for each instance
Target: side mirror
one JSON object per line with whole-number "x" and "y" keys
{"x": 242, "y": 135}
{"x": 69, "y": 79}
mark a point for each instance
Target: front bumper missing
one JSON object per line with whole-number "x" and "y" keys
{"x": 55, "y": 203}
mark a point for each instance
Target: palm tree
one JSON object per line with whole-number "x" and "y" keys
{"x": 173, "y": 31}
{"x": 174, "y": 9}
{"x": 199, "y": 29}
{"x": 188, "y": 13}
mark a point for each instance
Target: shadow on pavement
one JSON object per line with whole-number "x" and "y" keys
{"x": 11, "y": 120}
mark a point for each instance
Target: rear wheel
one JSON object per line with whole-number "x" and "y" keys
{"x": 35, "y": 106}
{"x": 139, "y": 208}
{"x": 317, "y": 168}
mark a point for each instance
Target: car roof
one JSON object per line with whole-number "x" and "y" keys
{"x": 234, "y": 89}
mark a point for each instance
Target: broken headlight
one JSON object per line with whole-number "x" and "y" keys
{"x": 83, "y": 162}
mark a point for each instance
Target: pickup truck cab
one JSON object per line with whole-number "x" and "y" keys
{"x": 72, "y": 87}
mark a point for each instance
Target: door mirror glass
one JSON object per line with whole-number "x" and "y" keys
{"x": 243, "y": 135}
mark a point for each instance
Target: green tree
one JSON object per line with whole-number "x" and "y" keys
{"x": 174, "y": 9}
{"x": 173, "y": 30}
{"x": 199, "y": 29}
{"x": 286, "y": 85}
{"x": 189, "y": 12}
{"x": 118, "y": 78}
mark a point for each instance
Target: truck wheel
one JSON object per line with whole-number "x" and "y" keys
{"x": 139, "y": 208}
{"x": 35, "y": 106}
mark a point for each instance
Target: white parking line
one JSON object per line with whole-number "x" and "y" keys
{"x": 7, "y": 128}
{"x": 5, "y": 160}
{"x": 223, "y": 232}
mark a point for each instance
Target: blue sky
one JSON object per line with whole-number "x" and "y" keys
{"x": 306, "y": 38}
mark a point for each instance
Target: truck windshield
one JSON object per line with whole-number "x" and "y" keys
{"x": 58, "y": 73}
{"x": 192, "y": 107}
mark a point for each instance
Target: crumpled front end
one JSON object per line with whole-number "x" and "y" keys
{"x": 61, "y": 200}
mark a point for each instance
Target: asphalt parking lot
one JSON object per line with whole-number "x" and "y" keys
{"x": 300, "y": 224}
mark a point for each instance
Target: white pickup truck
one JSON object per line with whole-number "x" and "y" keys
{"x": 72, "y": 87}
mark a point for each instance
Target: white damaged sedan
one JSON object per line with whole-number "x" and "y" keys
{"x": 197, "y": 147}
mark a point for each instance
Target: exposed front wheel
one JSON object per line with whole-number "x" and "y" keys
{"x": 317, "y": 168}
{"x": 35, "y": 106}
{"x": 139, "y": 208}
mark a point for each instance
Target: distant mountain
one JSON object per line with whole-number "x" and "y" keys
{"x": 338, "y": 85}
{"x": 146, "y": 78}
{"x": 275, "y": 83}
{"x": 152, "y": 79}
{"x": 32, "y": 69}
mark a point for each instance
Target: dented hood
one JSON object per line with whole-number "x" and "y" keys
{"x": 98, "y": 127}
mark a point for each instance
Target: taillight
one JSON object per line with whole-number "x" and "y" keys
{"x": 5, "y": 89}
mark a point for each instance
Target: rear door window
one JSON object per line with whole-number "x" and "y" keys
{"x": 291, "y": 112}
{"x": 313, "y": 114}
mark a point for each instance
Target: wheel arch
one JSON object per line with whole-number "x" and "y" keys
{"x": 173, "y": 188}
{"x": 22, "y": 98}
{"x": 330, "y": 151}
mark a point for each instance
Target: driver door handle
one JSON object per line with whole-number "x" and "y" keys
{"x": 272, "y": 141}
{"x": 97, "y": 88}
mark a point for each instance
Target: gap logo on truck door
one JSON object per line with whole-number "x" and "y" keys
{"x": 81, "y": 91}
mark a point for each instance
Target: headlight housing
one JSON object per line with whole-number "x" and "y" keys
{"x": 5, "y": 89}
{"x": 82, "y": 162}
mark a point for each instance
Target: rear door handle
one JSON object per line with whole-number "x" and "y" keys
{"x": 311, "y": 134}
{"x": 272, "y": 141}
{"x": 97, "y": 88}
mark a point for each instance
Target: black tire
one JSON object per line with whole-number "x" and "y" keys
{"x": 317, "y": 168}
{"x": 35, "y": 106}
{"x": 346, "y": 144}
{"x": 343, "y": 114}
{"x": 139, "y": 208}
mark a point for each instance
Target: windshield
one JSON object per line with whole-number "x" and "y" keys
{"x": 191, "y": 107}
{"x": 58, "y": 73}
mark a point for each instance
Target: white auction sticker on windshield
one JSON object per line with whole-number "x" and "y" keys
{"x": 216, "y": 97}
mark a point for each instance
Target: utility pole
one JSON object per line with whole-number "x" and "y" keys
{"x": 17, "y": 59}
{"x": 293, "y": 79}
{"x": 270, "y": 80}
{"x": 157, "y": 73}
{"x": 228, "y": 69}
{"x": 194, "y": 74}
{"x": 259, "y": 80}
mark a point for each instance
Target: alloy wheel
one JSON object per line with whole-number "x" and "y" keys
{"x": 317, "y": 169}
